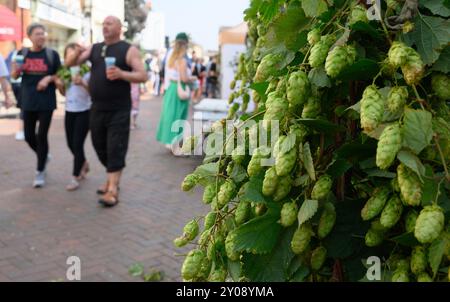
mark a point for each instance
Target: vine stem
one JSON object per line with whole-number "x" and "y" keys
{"x": 436, "y": 140}
{"x": 386, "y": 31}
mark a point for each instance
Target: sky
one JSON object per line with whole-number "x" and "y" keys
{"x": 200, "y": 18}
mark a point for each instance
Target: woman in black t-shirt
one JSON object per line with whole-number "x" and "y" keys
{"x": 38, "y": 67}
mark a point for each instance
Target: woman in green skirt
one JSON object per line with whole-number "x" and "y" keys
{"x": 175, "y": 110}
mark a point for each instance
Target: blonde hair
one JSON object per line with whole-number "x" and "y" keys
{"x": 179, "y": 51}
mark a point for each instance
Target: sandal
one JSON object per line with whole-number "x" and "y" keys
{"x": 103, "y": 190}
{"x": 109, "y": 200}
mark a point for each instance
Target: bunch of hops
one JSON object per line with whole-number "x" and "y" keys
{"x": 401, "y": 55}
{"x": 397, "y": 99}
{"x": 289, "y": 214}
{"x": 320, "y": 51}
{"x": 411, "y": 187}
{"x": 298, "y": 88}
{"x": 376, "y": 204}
{"x": 429, "y": 224}
{"x": 358, "y": 14}
{"x": 322, "y": 188}
{"x": 327, "y": 221}
{"x": 389, "y": 145}
{"x": 372, "y": 108}
{"x": 441, "y": 86}
{"x": 312, "y": 108}
{"x": 340, "y": 58}
{"x": 302, "y": 239}
{"x": 267, "y": 68}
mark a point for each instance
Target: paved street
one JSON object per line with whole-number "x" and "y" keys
{"x": 40, "y": 229}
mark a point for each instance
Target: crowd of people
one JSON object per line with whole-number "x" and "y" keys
{"x": 102, "y": 86}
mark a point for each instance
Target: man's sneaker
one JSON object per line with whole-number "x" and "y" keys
{"x": 39, "y": 180}
{"x": 20, "y": 136}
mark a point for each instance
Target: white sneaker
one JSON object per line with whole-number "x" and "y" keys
{"x": 39, "y": 180}
{"x": 20, "y": 136}
{"x": 49, "y": 158}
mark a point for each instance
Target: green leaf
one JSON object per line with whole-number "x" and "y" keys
{"x": 308, "y": 161}
{"x": 447, "y": 3}
{"x": 210, "y": 169}
{"x": 272, "y": 267}
{"x": 417, "y": 129}
{"x": 413, "y": 162}
{"x": 289, "y": 25}
{"x": 307, "y": 211}
{"x": 136, "y": 270}
{"x": 407, "y": 239}
{"x": 260, "y": 88}
{"x": 431, "y": 35}
{"x": 380, "y": 173}
{"x": 239, "y": 174}
{"x": 235, "y": 269}
{"x": 314, "y": 8}
{"x": 259, "y": 236}
{"x": 253, "y": 190}
{"x": 364, "y": 69}
{"x": 437, "y": 251}
{"x": 443, "y": 63}
{"x": 301, "y": 274}
{"x": 269, "y": 10}
{"x": 322, "y": 125}
{"x": 366, "y": 28}
{"x": 319, "y": 77}
{"x": 339, "y": 168}
{"x": 436, "y": 7}
{"x": 288, "y": 144}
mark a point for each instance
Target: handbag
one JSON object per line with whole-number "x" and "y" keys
{"x": 183, "y": 94}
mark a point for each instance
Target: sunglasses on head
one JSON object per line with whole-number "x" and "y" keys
{"x": 104, "y": 49}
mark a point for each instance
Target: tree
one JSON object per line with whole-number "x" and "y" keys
{"x": 136, "y": 16}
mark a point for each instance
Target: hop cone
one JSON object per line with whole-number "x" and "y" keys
{"x": 285, "y": 162}
{"x": 429, "y": 224}
{"x": 318, "y": 258}
{"x": 226, "y": 194}
{"x": 190, "y": 182}
{"x": 243, "y": 212}
{"x": 320, "y": 51}
{"x": 424, "y": 277}
{"x": 410, "y": 221}
{"x": 210, "y": 220}
{"x": 298, "y": 88}
{"x": 276, "y": 110}
{"x": 322, "y": 188}
{"x": 230, "y": 245}
{"x": 339, "y": 58}
{"x": 372, "y": 108}
{"x": 375, "y": 204}
{"x": 267, "y": 67}
{"x": 410, "y": 186}
{"x": 327, "y": 221}
{"x": 192, "y": 264}
{"x": 270, "y": 183}
{"x": 312, "y": 108}
{"x": 302, "y": 238}
{"x": 314, "y": 36}
{"x": 397, "y": 99}
{"x": 398, "y": 54}
{"x": 389, "y": 145}
{"x": 441, "y": 86}
{"x": 392, "y": 212}
{"x": 400, "y": 276}
{"x": 283, "y": 189}
{"x": 414, "y": 69}
{"x": 419, "y": 260}
{"x": 358, "y": 14}
{"x": 289, "y": 214}
{"x": 219, "y": 274}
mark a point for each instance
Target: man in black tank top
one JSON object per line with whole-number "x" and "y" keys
{"x": 110, "y": 89}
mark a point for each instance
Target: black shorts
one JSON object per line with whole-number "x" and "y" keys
{"x": 110, "y": 131}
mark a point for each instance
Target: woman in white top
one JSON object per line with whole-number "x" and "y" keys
{"x": 78, "y": 105}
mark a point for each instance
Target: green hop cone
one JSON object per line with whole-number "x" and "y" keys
{"x": 283, "y": 189}
{"x": 289, "y": 214}
{"x": 338, "y": 59}
{"x": 285, "y": 163}
{"x": 277, "y": 110}
{"x": 282, "y": 86}
{"x": 205, "y": 237}
{"x": 376, "y": 204}
{"x": 191, "y": 230}
{"x": 298, "y": 88}
{"x": 320, "y": 51}
{"x": 192, "y": 264}
{"x": 209, "y": 193}
{"x": 233, "y": 85}
{"x": 392, "y": 212}
{"x": 327, "y": 220}
{"x": 414, "y": 69}
{"x": 410, "y": 221}
{"x": 429, "y": 224}
{"x": 243, "y": 212}
{"x": 238, "y": 155}
{"x": 254, "y": 167}
{"x": 302, "y": 238}
{"x": 398, "y": 54}
{"x": 270, "y": 183}
{"x": 189, "y": 145}
{"x": 190, "y": 182}
{"x": 372, "y": 108}
{"x": 402, "y": 265}
{"x": 233, "y": 110}
{"x": 411, "y": 187}
{"x": 397, "y": 99}
{"x": 441, "y": 86}
{"x": 358, "y": 14}
{"x": 272, "y": 86}
{"x": 267, "y": 68}
{"x": 226, "y": 194}
{"x": 230, "y": 247}
{"x": 216, "y": 247}
{"x": 205, "y": 269}
{"x": 400, "y": 276}
{"x": 210, "y": 220}
{"x": 312, "y": 108}
{"x": 300, "y": 132}
{"x": 218, "y": 274}
{"x": 314, "y": 36}
{"x": 389, "y": 145}
{"x": 424, "y": 277}
{"x": 318, "y": 258}
{"x": 395, "y": 186}
{"x": 376, "y": 234}
{"x": 419, "y": 260}
{"x": 322, "y": 188}
{"x": 180, "y": 242}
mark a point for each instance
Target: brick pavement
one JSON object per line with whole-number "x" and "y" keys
{"x": 40, "y": 229}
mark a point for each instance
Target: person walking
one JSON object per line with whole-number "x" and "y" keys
{"x": 15, "y": 85}
{"x": 4, "y": 84}
{"x": 135, "y": 104}
{"x": 38, "y": 89}
{"x": 174, "y": 108}
{"x": 76, "y": 121}
{"x": 115, "y": 64}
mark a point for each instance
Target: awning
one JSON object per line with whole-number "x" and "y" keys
{"x": 9, "y": 25}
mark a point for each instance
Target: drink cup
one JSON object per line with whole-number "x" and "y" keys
{"x": 110, "y": 62}
{"x": 19, "y": 59}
